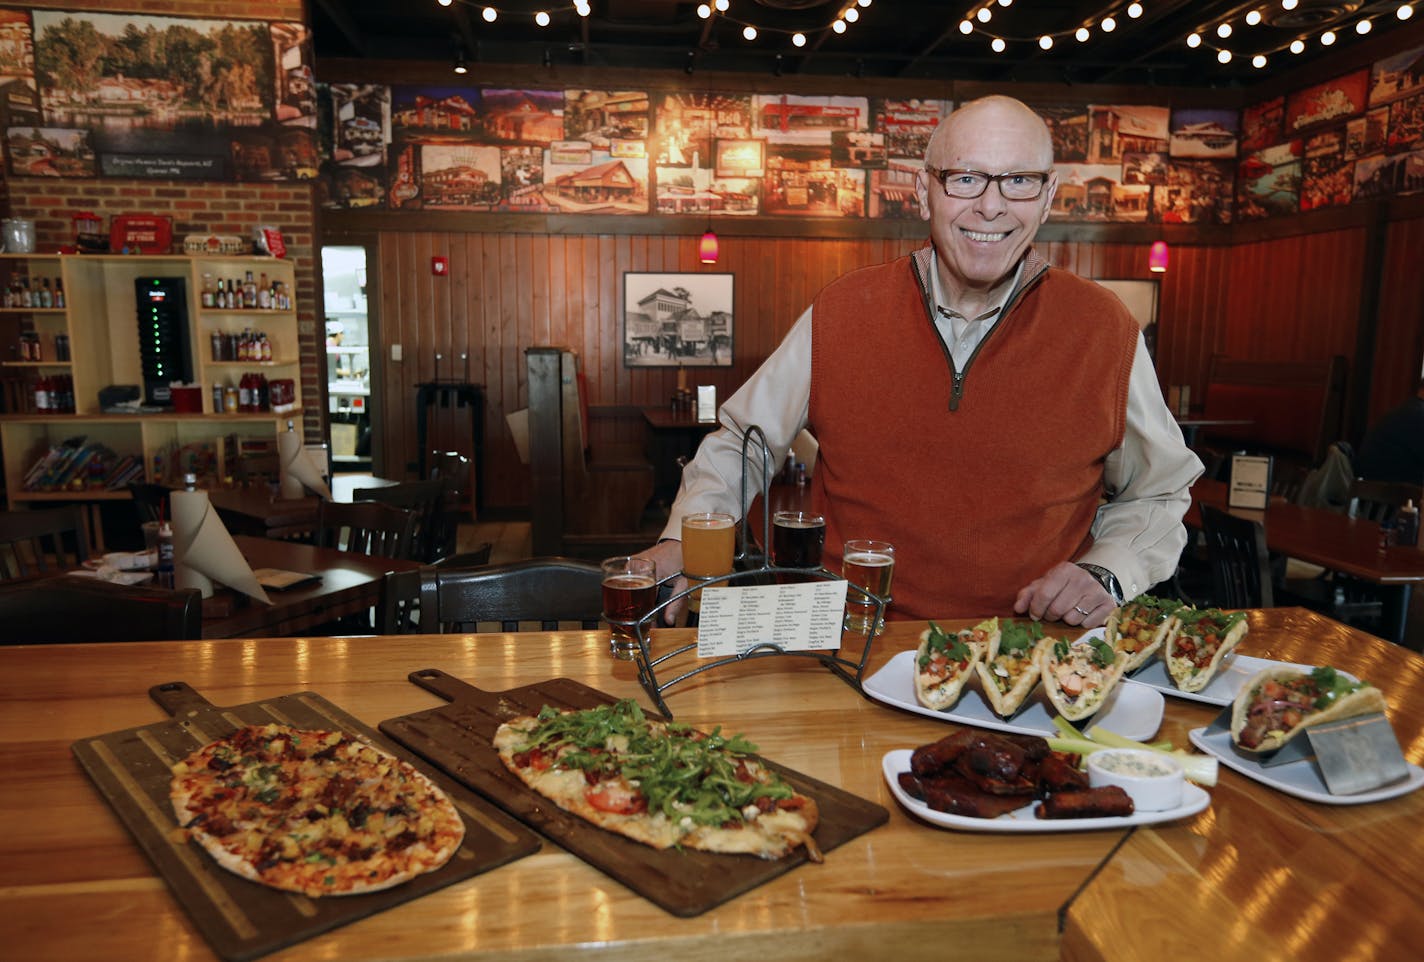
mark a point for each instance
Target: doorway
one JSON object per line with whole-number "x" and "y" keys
{"x": 351, "y": 381}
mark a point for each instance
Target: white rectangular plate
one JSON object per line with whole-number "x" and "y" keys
{"x": 1236, "y": 670}
{"x": 1131, "y": 710}
{"x": 1194, "y": 799}
{"x": 1301, "y": 779}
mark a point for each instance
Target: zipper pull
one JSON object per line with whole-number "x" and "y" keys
{"x": 956, "y": 392}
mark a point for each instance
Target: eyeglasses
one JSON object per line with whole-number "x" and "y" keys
{"x": 968, "y": 184}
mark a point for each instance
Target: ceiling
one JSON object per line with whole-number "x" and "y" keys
{"x": 890, "y": 38}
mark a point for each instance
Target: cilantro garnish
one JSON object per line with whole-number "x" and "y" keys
{"x": 1014, "y": 635}
{"x": 952, "y": 646}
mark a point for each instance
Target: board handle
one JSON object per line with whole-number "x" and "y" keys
{"x": 178, "y": 698}
{"x": 441, "y": 683}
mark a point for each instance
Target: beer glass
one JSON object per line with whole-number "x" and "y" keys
{"x": 868, "y": 564}
{"x": 797, "y": 538}
{"x": 708, "y": 544}
{"x": 630, "y": 589}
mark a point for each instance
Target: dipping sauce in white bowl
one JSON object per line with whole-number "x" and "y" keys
{"x": 1152, "y": 779}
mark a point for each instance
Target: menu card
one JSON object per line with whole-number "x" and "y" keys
{"x": 799, "y": 617}
{"x": 1250, "y": 482}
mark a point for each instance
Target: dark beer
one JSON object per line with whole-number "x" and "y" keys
{"x": 627, "y": 597}
{"x": 797, "y": 539}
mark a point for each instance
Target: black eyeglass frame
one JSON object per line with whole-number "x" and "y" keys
{"x": 942, "y": 175}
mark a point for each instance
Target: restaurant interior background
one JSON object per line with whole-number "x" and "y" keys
{"x": 488, "y": 236}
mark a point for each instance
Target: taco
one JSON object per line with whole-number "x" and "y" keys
{"x": 1009, "y": 670}
{"x": 946, "y": 660}
{"x": 1206, "y": 636}
{"x": 1137, "y": 628}
{"x": 1280, "y": 703}
{"x": 1079, "y": 675}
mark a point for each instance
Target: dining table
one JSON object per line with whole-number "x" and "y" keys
{"x": 1258, "y": 874}
{"x": 344, "y": 583}
{"x": 255, "y": 509}
{"x": 673, "y": 434}
{"x": 1331, "y": 539}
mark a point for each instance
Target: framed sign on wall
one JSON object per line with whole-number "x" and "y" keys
{"x": 677, "y": 320}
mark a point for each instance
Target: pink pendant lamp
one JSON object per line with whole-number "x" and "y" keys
{"x": 1157, "y": 257}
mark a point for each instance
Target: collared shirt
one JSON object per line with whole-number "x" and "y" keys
{"x": 1138, "y": 533}
{"x": 961, "y": 335}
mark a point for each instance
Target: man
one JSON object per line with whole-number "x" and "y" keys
{"x": 973, "y": 406}
{"x": 1393, "y": 450}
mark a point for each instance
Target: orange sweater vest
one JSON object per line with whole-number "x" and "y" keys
{"x": 980, "y": 499}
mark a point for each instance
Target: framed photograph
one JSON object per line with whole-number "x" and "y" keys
{"x": 677, "y": 320}
{"x": 741, "y": 158}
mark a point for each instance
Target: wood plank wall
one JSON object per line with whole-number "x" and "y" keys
{"x": 1290, "y": 298}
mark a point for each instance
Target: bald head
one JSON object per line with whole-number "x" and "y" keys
{"x": 994, "y": 124}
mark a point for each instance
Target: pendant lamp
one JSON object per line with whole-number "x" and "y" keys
{"x": 1157, "y": 257}
{"x": 707, "y": 247}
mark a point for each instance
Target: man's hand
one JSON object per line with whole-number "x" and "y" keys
{"x": 1068, "y": 594}
{"x": 667, "y": 557}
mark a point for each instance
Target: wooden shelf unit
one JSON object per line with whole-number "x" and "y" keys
{"x": 100, "y": 320}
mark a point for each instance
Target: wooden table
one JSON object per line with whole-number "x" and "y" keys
{"x": 672, "y": 435}
{"x": 1332, "y": 540}
{"x": 1191, "y": 426}
{"x": 253, "y": 510}
{"x": 1259, "y": 875}
{"x": 350, "y": 583}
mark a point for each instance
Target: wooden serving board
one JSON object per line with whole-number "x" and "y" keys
{"x": 242, "y": 919}
{"x": 457, "y": 737}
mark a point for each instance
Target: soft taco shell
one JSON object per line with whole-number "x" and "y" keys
{"x": 1086, "y": 705}
{"x": 1366, "y": 701}
{"x": 941, "y": 695}
{"x": 1181, "y": 668}
{"x": 1008, "y": 702}
{"x": 1167, "y": 629}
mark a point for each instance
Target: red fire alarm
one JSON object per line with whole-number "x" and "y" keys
{"x": 439, "y": 266}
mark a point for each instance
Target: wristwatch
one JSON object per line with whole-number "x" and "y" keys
{"x": 1105, "y": 578}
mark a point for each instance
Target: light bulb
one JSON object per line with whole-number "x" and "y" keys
{"x": 1223, "y": 56}
{"x": 1289, "y": 4}
{"x": 749, "y": 32}
{"x": 1223, "y": 30}
{"x": 1258, "y": 61}
{"x": 998, "y": 45}
{"x": 541, "y": 18}
{"x": 1327, "y": 38}
{"x": 1364, "y": 27}
{"x": 1082, "y": 34}
{"x": 851, "y": 15}
{"x": 1109, "y": 24}
{"x": 1194, "y": 40}
{"x": 863, "y": 3}
{"x": 722, "y": 5}
{"x": 1134, "y": 10}
{"x": 1297, "y": 46}
{"x": 984, "y": 14}
{"x": 798, "y": 40}
{"x": 1253, "y": 18}
{"x": 446, "y": 3}
{"x": 490, "y": 14}
{"x": 1045, "y": 42}
{"x": 966, "y": 27}
{"x": 838, "y": 26}
{"x": 1405, "y": 11}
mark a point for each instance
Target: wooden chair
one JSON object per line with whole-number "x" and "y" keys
{"x": 365, "y": 527}
{"x": 39, "y": 541}
{"x": 399, "y": 610}
{"x": 1380, "y": 501}
{"x": 1236, "y": 554}
{"x": 543, "y": 591}
{"x": 425, "y": 500}
{"x": 71, "y": 609}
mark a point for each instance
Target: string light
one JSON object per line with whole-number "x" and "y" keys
{"x": 1253, "y": 18}
{"x": 1405, "y": 11}
{"x": 749, "y": 32}
{"x": 851, "y": 15}
{"x": 1327, "y": 38}
{"x": 1296, "y": 46}
{"x": 1364, "y": 27}
{"x": 490, "y": 14}
{"x": 542, "y": 18}
{"x": 984, "y": 14}
{"x": 839, "y": 26}
{"x": 1082, "y": 33}
{"x": 1045, "y": 42}
{"x": 998, "y": 44}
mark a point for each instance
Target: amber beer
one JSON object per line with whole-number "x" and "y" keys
{"x": 797, "y": 539}
{"x": 870, "y": 565}
{"x": 708, "y": 546}
{"x": 630, "y": 589}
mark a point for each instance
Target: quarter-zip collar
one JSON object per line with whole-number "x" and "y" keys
{"x": 922, "y": 262}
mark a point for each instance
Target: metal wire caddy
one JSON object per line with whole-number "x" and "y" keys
{"x": 755, "y": 569}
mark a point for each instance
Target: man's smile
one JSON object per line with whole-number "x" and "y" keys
{"x": 982, "y": 237}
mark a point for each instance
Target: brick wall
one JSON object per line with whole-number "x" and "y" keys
{"x": 194, "y": 206}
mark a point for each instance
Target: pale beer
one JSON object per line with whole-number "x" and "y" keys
{"x": 708, "y": 546}
{"x": 869, "y": 565}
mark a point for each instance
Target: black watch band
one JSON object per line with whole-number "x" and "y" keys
{"x": 1105, "y": 578}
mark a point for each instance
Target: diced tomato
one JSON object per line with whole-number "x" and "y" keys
{"x": 616, "y": 796}
{"x": 743, "y": 774}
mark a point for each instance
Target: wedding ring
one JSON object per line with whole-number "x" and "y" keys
{"x": 1080, "y": 611}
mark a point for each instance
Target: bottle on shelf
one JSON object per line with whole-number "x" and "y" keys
{"x": 249, "y": 291}
{"x": 264, "y": 294}
{"x": 217, "y": 344}
{"x": 46, "y": 295}
{"x": 59, "y": 292}
{"x": 210, "y": 297}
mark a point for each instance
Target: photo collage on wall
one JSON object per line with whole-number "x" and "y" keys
{"x": 92, "y": 94}
{"x": 1142, "y": 163}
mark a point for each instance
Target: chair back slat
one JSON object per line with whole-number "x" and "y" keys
{"x": 43, "y": 540}
{"x": 365, "y": 527}
{"x": 1236, "y": 553}
{"x": 544, "y": 591}
{"x": 1380, "y": 501}
{"x": 425, "y": 501}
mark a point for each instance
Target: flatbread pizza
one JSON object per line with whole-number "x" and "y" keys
{"x": 315, "y": 812}
{"x": 1280, "y": 703}
{"x": 658, "y": 782}
{"x": 1138, "y": 628}
{"x": 1079, "y": 675}
{"x": 1010, "y": 669}
{"x": 1206, "y": 636}
{"x": 945, "y": 660}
